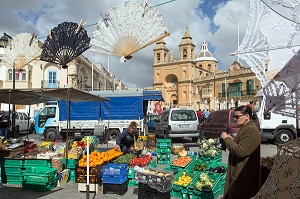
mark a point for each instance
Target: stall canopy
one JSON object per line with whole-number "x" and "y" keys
{"x": 152, "y": 95}
{"x": 36, "y": 96}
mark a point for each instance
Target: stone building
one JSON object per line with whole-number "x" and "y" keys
{"x": 196, "y": 81}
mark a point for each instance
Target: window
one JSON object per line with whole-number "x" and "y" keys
{"x": 24, "y": 74}
{"x": 183, "y": 115}
{"x": 10, "y": 77}
{"x": 206, "y": 90}
{"x": 223, "y": 90}
{"x": 235, "y": 89}
{"x": 184, "y": 54}
{"x": 209, "y": 67}
{"x": 250, "y": 87}
{"x": 158, "y": 57}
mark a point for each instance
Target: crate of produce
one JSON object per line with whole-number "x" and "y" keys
{"x": 216, "y": 158}
{"x": 94, "y": 177}
{"x": 163, "y": 162}
{"x": 119, "y": 189}
{"x": 206, "y": 185}
{"x": 114, "y": 169}
{"x": 13, "y": 162}
{"x": 183, "y": 162}
{"x": 175, "y": 149}
{"x": 163, "y": 143}
{"x": 151, "y": 143}
{"x": 163, "y": 150}
{"x": 141, "y": 161}
{"x": 37, "y": 162}
{"x": 114, "y": 179}
{"x": 124, "y": 159}
{"x": 146, "y": 192}
{"x": 182, "y": 180}
{"x": 39, "y": 187}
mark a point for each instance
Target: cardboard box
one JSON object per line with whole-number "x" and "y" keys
{"x": 140, "y": 144}
{"x": 63, "y": 178}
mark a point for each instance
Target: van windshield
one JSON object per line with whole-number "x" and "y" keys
{"x": 183, "y": 115}
{"x": 257, "y": 103}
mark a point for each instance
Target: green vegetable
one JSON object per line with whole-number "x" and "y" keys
{"x": 204, "y": 182}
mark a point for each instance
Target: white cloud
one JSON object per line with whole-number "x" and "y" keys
{"x": 138, "y": 71}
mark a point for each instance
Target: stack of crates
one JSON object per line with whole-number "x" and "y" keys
{"x": 163, "y": 151}
{"x": 38, "y": 175}
{"x": 71, "y": 165}
{"x": 11, "y": 171}
{"x": 114, "y": 179}
{"x": 131, "y": 181}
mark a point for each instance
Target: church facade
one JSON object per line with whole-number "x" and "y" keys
{"x": 190, "y": 81}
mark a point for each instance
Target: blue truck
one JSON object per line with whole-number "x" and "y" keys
{"x": 111, "y": 116}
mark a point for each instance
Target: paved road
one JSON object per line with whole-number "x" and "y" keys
{"x": 70, "y": 190}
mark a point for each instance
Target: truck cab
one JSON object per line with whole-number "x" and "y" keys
{"x": 46, "y": 122}
{"x": 273, "y": 126}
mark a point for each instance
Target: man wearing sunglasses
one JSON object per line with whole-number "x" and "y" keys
{"x": 243, "y": 173}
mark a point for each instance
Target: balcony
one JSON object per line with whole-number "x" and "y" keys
{"x": 207, "y": 95}
{"x": 49, "y": 84}
{"x": 237, "y": 93}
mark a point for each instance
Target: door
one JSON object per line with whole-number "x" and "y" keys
{"x": 52, "y": 79}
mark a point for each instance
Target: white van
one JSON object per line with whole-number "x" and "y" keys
{"x": 178, "y": 122}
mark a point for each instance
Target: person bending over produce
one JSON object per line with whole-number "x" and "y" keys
{"x": 128, "y": 137}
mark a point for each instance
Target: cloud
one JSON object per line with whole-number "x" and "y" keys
{"x": 216, "y": 23}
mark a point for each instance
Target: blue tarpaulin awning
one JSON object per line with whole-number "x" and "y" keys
{"x": 152, "y": 95}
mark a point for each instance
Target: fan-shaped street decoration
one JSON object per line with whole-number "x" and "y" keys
{"x": 64, "y": 43}
{"x": 128, "y": 28}
{"x": 272, "y": 36}
{"x": 22, "y": 49}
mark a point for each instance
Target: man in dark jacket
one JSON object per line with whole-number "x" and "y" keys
{"x": 4, "y": 124}
{"x": 126, "y": 140}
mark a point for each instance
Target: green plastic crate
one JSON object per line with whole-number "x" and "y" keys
{"x": 169, "y": 168}
{"x": 11, "y": 170}
{"x": 163, "y": 156}
{"x": 132, "y": 183}
{"x": 13, "y": 162}
{"x": 181, "y": 191}
{"x": 72, "y": 163}
{"x": 163, "y": 162}
{"x": 163, "y": 150}
{"x": 130, "y": 173}
{"x": 215, "y": 192}
{"x": 163, "y": 143}
{"x": 72, "y": 174}
{"x": 37, "y": 162}
{"x": 178, "y": 167}
{"x": 216, "y": 158}
{"x": 39, "y": 187}
{"x": 15, "y": 179}
{"x": 39, "y": 177}
{"x": 153, "y": 163}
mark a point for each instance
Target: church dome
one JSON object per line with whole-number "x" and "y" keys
{"x": 204, "y": 54}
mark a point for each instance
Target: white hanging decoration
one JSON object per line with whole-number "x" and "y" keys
{"x": 22, "y": 49}
{"x": 272, "y": 36}
{"x": 128, "y": 28}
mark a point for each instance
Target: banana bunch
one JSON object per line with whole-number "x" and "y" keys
{"x": 142, "y": 138}
{"x": 46, "y": 144}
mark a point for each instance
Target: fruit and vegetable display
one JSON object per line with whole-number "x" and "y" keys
{"x": 46, "y": 145}
{"x": 183, "y": 180}
{"x": 204, "y": 183}
{"x": 98, "y": 158}
{"x": 182, "y": 161}
{"x": 124, "y": 159}
{"x": 141, "y": 161}
{"x": 81, "y": 144}
{"x": 208, "y": 148}
{"x": 218, "y": 169}
{"x": 142, "y": 138}
{"x": 74, "y": 153}
{"x": 200, "y": 166}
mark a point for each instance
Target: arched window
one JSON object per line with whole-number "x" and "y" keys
{"x": 158, "y": 57}
{"x": 184, "y": 54}
{"x": 24, "y": 74}
{"x": 10, "y": 76}
{"x": 209, "y": 67}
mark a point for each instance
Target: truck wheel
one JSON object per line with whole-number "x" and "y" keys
{"x": 113, "y": 134}
{"x": 283, "y": 136}
{"x": 50, "y": 134}
{"x": 195, "y": 139}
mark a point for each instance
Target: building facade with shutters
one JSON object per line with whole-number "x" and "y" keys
{"x": 195, "y": 81}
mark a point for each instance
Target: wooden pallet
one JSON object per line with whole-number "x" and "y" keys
{"x": 93, "y": 187}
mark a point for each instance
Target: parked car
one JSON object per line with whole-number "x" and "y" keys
{"x": 21, "y": 123}
{"x": 219, "y": 121}
{"x": 178, "y": 122}
{"x": 149, "y": 122}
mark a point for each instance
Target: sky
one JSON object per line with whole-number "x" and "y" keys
{"x": 215, "y": 21}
